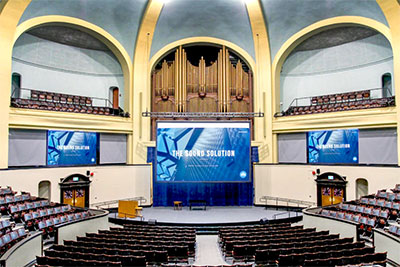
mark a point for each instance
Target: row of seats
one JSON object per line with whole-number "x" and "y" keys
{"x": 75, "y": 108}
{"x": 10, "y": 232}
{"x": 60, "y": 98}
{"x": 378, "y": 210}
{"x": 394, "y": 230}
{"x": 128, "y": 246}
{"x": 343, "y": 106}
{"x": 293, "y": 246}
{"x": 63, "y": 102}
{"x": 11, "y": 238}
{"x": 6, "y": 191}
{"x": 341, "y": 97}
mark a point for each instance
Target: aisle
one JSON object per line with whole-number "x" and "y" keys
{"x": 207, "y": 251}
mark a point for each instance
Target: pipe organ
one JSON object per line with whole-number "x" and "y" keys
{"x": 222, "y": 85}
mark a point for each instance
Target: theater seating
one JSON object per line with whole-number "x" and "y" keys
{"x": 133, "y": 245}
{"x": 285, "y": 245}
{"x": 66, "y": 103}
{"x": 380, "y": 210}
{"x": 340, "y": 102}
{"x": 22, "y": 214}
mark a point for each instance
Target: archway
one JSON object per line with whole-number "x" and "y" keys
{"x": 201, "y": 77}
{"x": 93, "y": 30}
{"x": 309, "y": 31}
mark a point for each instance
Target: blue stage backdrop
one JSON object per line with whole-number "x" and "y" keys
{"x": 203, "y": 161}
{"x": 336, "y": 146}
{"x": 71, "y": 148}
{"x": 203, "y": 152}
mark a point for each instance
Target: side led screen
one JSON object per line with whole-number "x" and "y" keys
{"x": 336, "y": 146}
{"x": 203, "y": 152}
{"x": 71, "y": 148}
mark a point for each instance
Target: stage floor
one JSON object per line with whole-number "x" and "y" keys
{"x": 213, "y": 215}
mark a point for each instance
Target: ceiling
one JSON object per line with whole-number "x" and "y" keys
{"x": 335, "y": 37}
{"x": 68, "y": 36}
{"x": 328, "y": 38}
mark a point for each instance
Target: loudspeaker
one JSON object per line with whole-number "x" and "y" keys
{"x": 264, "y": 221}
{"x": 152, "y": 221}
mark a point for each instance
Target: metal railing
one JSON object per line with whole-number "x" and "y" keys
{"x": 289, "y": 213}
{"x": 375, "y": 93}
{"x": 25, "y": 93}
{"x": 111, "y": 203}
{"x": 265, "y": 199}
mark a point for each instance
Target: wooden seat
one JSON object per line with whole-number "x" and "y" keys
{"x": 177, "y": 205}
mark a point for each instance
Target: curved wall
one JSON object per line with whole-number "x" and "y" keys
{"x": 285, "y": 18}
{"x": 112, "y": 182}
{"x": 120, "y": 18}
{"x": 54, "y": 67}
{"x": 223, "y": 19}
{"x": 297, "y": 181}
{"x": 353, "y": 66}
{"x": 383, "y": 242}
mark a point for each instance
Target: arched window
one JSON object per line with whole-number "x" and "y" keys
{"x": 386, "y": 85}
{"x": 361, "y": 187}
{"x": 16, "y": 85}
{"x": 44, "y": 189}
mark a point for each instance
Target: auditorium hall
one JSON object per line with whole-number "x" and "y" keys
{"x": 199, "y": 133}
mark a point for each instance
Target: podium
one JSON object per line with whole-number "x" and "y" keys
{"x": 129, "y": 209}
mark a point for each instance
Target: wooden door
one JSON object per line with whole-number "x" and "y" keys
{"x": 331, "y": 195}
{"x": 75, "y": 197}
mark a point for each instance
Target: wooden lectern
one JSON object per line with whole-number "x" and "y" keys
{"x": 129, "y": 209}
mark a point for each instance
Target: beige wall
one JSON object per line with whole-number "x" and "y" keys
{"x": 24, "y": 252}
{"x": 108, "y": 182}
{"x": 70, "y": 231}
{"x": 344, "y": 229}
{"x": 297, "y": 181}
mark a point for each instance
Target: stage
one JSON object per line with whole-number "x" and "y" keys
{"x": 211, "y": 216}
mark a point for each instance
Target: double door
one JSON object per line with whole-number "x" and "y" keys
{"x": 331, "y": 195}
{"x": 75, "y": 197}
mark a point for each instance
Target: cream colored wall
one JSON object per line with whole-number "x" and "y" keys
{"x": 297, "y": 181}
{"x": 72, "y": 230}
{"x": 108, "y": 182}
{"x": 344, "y": 229}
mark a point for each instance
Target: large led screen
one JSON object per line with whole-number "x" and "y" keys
{"x": 71, "y": 148}
{"x": 336, "y": 146}
{"x": 203, "y": 152}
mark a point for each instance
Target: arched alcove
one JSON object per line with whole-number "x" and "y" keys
{"x": 44, "y": 189}
{"x": 361, "y": 187}
{"x": 307, "y": 33}
{"x": 61, "y": 59}
{"x": 201, "y": 77}
{"x": 387, "y": 84}
{"x": 339, "y": 60}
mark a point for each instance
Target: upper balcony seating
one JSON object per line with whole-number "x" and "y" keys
{"x": 66, "y": 103}
{"x": 341, "y": 102}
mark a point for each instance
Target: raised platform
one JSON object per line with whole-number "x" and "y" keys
{"x": 211, "y": 216}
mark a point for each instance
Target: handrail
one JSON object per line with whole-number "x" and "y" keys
{"x": 142, "y": 200}
{"x": 287, "y": 200}
{"x": 283, "y": 213}
{"x": 294, "y": 102}
{"x": 107, "y": 101}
